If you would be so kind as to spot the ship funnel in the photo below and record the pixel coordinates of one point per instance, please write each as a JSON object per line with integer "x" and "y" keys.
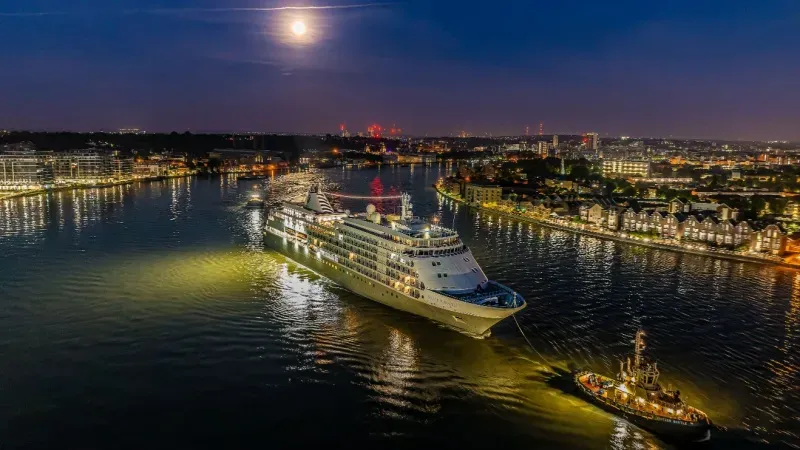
{"x": 317, "y": 201}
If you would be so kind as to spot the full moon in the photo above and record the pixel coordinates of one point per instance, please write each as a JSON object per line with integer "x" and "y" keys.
{"x": 299, "y": 28}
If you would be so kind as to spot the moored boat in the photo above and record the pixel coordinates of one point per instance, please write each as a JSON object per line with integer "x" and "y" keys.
{"x": 636, "y": 395}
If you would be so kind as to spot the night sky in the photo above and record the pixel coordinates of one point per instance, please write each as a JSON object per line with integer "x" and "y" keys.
{"x": 700, "y": 68}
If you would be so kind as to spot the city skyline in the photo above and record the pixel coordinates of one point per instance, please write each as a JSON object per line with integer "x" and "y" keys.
{"x": 686, "y": 71}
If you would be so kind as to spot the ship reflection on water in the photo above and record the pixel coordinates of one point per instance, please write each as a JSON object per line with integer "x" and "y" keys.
{"x": 163, "y": 294}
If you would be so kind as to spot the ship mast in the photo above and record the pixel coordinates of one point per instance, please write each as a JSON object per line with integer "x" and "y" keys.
{"x": 639, "y": 348}
{"x": 645, "y": 373}
{"x": 405, "y": 211}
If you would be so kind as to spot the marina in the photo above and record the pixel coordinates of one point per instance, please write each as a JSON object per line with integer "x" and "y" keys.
{"x": 177, "y": 319}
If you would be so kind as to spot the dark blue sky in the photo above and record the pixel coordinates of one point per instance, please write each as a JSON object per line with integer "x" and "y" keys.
{"x": 700, "y": 68}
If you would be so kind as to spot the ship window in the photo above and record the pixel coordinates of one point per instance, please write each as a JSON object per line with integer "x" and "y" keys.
{"x": 439, "y": 275}
{"x": 445, "y": 275}
{"x": 433, "y": 263}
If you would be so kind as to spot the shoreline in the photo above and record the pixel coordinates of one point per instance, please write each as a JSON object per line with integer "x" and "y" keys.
{"x": 613, "y": 237}
{"x": 33, "y": 192}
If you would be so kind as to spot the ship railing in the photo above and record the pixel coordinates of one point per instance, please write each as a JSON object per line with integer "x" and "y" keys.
{"x": 453, "y": 251}
{"x": 506, "y": 298}
{"x": 647, "y": 409}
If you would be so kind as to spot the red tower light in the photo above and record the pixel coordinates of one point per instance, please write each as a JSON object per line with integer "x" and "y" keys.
{"x": 375, "y": 130}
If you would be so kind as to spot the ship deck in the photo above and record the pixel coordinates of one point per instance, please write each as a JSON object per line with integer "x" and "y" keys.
{"x": 495, "y": 295}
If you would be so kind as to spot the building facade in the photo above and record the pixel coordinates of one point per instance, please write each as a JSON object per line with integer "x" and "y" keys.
{"x": 543, "y": 148}
{"x": 482, "y": 194}
{"x": 23, "y": 167}
{"x": 770, "y": 240}
{"x": 626, "y": 168}
{"x": 592, "y": 141}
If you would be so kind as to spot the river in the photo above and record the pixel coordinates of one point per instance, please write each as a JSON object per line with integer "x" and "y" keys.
{"x": 152, "y": 315}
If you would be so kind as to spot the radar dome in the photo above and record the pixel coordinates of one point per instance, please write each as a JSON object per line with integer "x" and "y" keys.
{"x": 370, "y": 209}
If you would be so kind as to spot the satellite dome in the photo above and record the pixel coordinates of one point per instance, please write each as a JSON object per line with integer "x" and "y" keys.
{"x": 370, "y": 209}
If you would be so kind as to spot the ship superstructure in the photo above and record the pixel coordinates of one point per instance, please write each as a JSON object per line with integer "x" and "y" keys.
{"x": 398, "y": 260}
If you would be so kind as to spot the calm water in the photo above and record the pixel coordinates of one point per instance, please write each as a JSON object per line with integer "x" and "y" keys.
{"x": 152, "y": 316}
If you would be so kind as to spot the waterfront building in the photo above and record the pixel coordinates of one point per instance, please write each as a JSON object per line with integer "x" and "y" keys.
{"x": 478, "y": 194}
{"x": 706, "y": 225}
{"x": 602, "y": 213}
{"x": 121, "y": 167}
{"x": 594, "y": 214}
{"x": 614, "y": 220}
{"x": 671, "y": 225}
{"x": 415, "y": 158}
{"x": 149, "y": 169}
{"x": 83, "y": 166}
{"x": 771, "y": 239}
{"x": 23, "y": 167}
{"x": 618, "y": 168}
{"x": 742, "y": 232}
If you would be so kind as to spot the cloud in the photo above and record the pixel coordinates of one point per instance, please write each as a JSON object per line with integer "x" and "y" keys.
{"x": 198, "y": 10}
{"x": 277, "y": 8}
{"x": 33, "y": 14}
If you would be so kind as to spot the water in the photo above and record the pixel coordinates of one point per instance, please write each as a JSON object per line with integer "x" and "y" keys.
{"x": 151, "y": 315}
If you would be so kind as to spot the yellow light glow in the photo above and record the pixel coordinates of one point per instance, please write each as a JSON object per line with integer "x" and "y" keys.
{"x": 299, "y": 28}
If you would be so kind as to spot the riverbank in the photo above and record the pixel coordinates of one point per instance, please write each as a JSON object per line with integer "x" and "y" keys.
{"x": 583, "y": 230}
{"x": 8, "y": 195}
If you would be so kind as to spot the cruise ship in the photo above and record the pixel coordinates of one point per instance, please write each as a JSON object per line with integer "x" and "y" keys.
{"x": 398, "y": 260}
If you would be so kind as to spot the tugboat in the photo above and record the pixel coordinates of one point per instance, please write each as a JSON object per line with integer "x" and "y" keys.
{"x": 636, "y": 395}
{"x": 255, "y": 202}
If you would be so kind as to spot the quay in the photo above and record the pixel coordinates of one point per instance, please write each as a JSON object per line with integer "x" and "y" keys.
{"x": 583, "y": 230}
{"x": 8, "y": 195}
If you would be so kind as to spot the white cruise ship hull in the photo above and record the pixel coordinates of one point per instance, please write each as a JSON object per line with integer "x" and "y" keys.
{"x": 470, "y": 318}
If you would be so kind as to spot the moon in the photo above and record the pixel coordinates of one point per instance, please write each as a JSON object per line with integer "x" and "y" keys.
{"x": 299, "y": 28}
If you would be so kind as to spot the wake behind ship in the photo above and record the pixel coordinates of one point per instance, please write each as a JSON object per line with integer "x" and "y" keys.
{"x": 400, "y": 261}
